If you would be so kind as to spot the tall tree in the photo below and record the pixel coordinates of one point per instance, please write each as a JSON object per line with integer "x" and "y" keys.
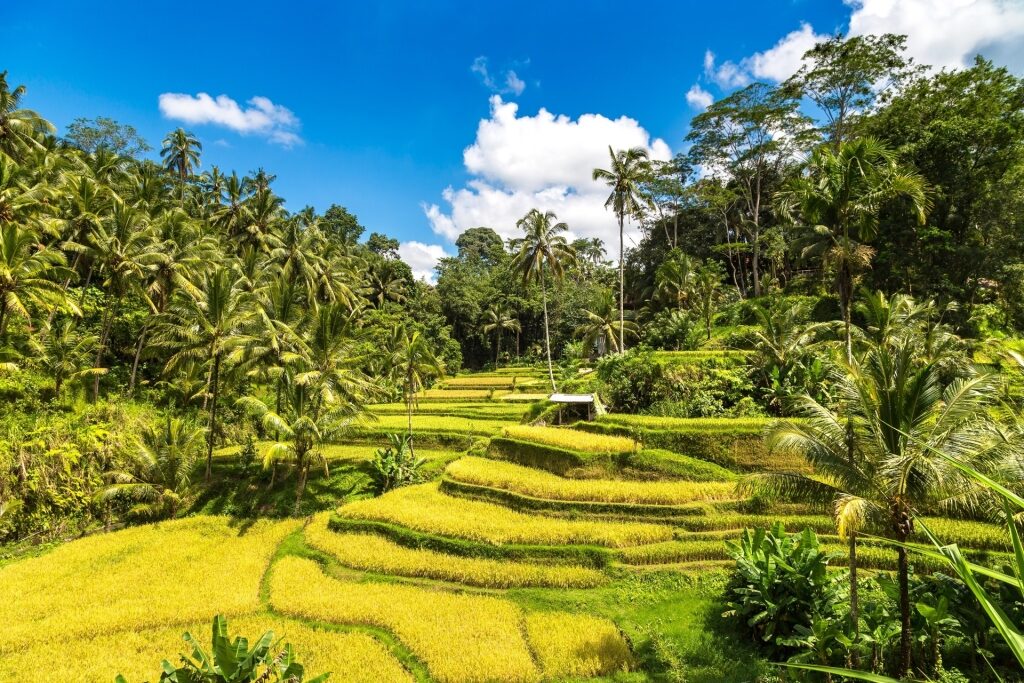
{"x": 91, "y": 135}
{"x": 541, "y": 254}
{"x": 838, "y": 200}
{"x": 629, "y": 170}
{"x": 208, "y": 330}
{"x": 20, "y": 128}
{"x": 844, "y": 77}
{"x": 413, "y": 364}
{"x": 180, "y": 152}
{"x": 750, "y": 138}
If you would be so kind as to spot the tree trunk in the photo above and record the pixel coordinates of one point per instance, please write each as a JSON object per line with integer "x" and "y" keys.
{"x": 135, "y": 361}
{"x": 497, "y": 354}
{"x": 854, "y": 607}
{"x": 214, "y": 381}
{"x": 547, "y": 334}
{"x": 755, "y": 269}
{"x": 846, "y": 301}
{"x": 622, "y": 287}
{"x": 108, "y": 323}
{"x": 300, "y": 487}
{"x": 408, "y": 408}
{"x": 905, "y": 632}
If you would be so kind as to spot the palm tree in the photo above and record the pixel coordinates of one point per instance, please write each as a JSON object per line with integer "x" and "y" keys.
{"x": 29, "y": 275}
{"x": 901, "y": 424}
{"x": 707, "y": 292}
{"x": 63, "y": 353}
{"x": 180, "y": 153}
{"x": 839, "y": 199}
{"x": 499, "y": 320}
{"x": 302, "y": 427}
{"x": 413, "y": 364}
{"x": 602, "y": 327}
{"x": 675, "y": 278}
{"x": 541, "y": 252}
{"x": 208, "y": 330}
{"x": 20, "y": 128}
{"x": 160, "y": 470}
{"x": 629, "y": 170}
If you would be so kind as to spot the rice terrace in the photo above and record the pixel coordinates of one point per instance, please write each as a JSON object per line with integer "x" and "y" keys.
{"x": 697, "y": 362}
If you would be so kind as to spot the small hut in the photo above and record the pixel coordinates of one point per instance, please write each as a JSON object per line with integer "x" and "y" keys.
{"x": 578, "y": 403}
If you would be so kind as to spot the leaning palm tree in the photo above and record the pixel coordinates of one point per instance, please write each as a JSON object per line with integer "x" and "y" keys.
{"x": 543, "y": 253}
{"x": 180, "y": 153}
{"x": 20, "y": 129}
{"x": 499, "y": 320}
{"x": 209, "y": 330}
{"x": 413, "y": 363}
{"x": 160, "y": 470}
{"x": 839, "y": 199}
{"x": 902, "y": 427}
{"x": 630, "y": 169}
{"x": 602, "y": 329}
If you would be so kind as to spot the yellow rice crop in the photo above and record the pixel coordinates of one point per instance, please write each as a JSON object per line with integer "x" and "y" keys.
{"x": 350, "y": 657}
{"x": 524, "y": 397}
{"x": 576, "y": 645}
{"x": 470, "y": 381}
{"x": 572, "y": 439}
{"x": 455, "y": 394}
{"x": 373, "y": 553}
{"x": 540, "y": 484}
{"x": 426, "y": 509}
{"x": 439, "y": 423}
{"x": 459, "y": 637}
{"x": 169, "y": 573}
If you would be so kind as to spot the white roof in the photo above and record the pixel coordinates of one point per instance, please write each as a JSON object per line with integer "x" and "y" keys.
{"x": 571, "y": 398}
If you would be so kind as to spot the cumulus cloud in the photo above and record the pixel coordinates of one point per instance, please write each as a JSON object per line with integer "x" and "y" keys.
{"x": 421, "y": 258}
{"x": 726, "y": 75}
{"x": 946, "y": 33}
{"x": 260, "y": 116}
{"x": 506, "y": 83}
{"x": 698, "y": 98}
{"x": 777, "y": 63}
{"x": 542, "y": 161}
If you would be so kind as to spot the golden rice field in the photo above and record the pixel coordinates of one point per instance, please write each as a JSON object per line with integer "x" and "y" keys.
{"x": 438, "y": 423}
{"x": 524, "y": 397}
{"x": 572, "y": 439}
{"x": 372, "y": 553}
{"x": 176, "y": 572}
{"x": 541, "y": 484}
{"x": 349, "y": 657}
{"x": 424, "y": 508}
{"x": 576, "y": 645}
{"x": 455, "y": 394}
{"x": 489, "y": 381}
{"x": 490, "y": 646}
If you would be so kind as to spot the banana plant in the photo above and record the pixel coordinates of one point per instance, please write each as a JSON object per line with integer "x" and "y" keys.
{"x": 232, "y": 661}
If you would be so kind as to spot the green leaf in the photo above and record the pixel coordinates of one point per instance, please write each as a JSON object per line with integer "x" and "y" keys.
{"x": 848, "y": 673}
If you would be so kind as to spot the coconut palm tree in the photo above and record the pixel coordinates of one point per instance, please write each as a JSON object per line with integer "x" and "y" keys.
{"x": 180, "y": 152}
{"x": 413, "y": 363}
{"x": 29, "y": 275}
{"x": 542, "y": 253}
{"x": 838, "y": 200}
{"x": 675, "y": 277}
{"x": 63, "y": 353}
{"x": 208, "y": 330}
{"x": 706, "y": 292}
{"x": 901, "y": 425}
{"x": 160, "y": 470}
{"x": 602, "y": 327}
{"x": 302, "y": 424}
{"x": 630, "y": 169}
{"x": 499, "y": 320}
{"x": 20, "y": 129}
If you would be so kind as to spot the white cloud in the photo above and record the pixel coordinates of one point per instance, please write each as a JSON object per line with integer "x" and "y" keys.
{"x": 783, "y": 59}
{"x": 261, "y": 117}
{"x": 507, "y": 82}
{"x": 726, "y": 75}
{"x": 946, "y": 33}
{"x": 421, "y": 258}
{"x": 698, "y": 98}
{"x": 542, "y": 161}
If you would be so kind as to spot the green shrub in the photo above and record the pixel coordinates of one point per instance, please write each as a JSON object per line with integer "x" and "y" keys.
{"x": 551, "y": 458}
{"x": 780, "y": 585}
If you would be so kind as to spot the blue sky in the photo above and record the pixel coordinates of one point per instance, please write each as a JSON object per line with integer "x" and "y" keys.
{"x": 381, "y": 99}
